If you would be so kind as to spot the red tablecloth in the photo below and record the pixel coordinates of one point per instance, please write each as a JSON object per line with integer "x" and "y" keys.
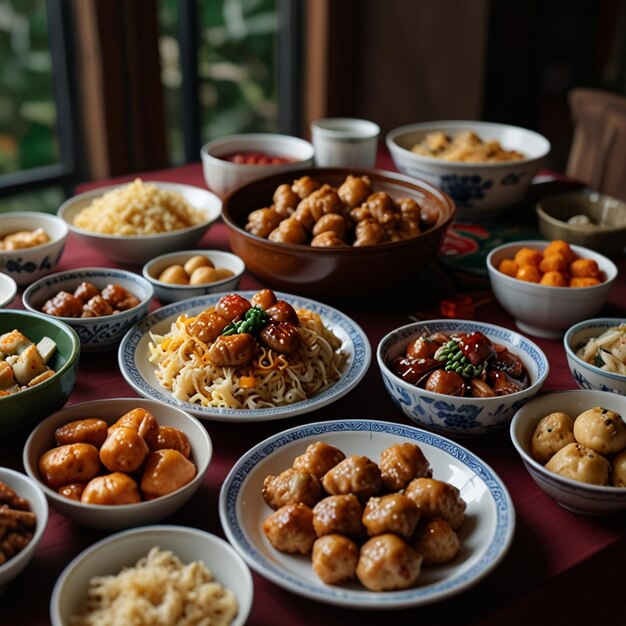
{"x": 560, "y": 565}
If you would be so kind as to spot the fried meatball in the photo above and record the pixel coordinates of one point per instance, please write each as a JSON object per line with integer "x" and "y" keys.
{"x": 71, "y": 463}
{"x": 355, "y": 190}
{"x": 436, "y": 498}
{"x": 305, "y": 186}
{"x": 339, "y": 514}
{"x": 291, "y": 487}
{"x": 601, "y": 430}
{"x": 172, "y": 438}
{"x": 435, "y": 540}
{"x": 553, "y": 432}
{"x": 369, "y": 232}
{"x": 578, "y": 462}
{"x": 290, "y": 230}
{"x": 165, "y": 471}
{"x": 386, "y": 563}
{"x": 327, "y": 240}
{"x": 618, "y": 473}
{"x": 90, "y": 430}
{"x": 335, "y": 558}
{"x": 124, "y": 450}
{"x": 142, "y": 421}
{"x": 355, "y": 474}
{"x": 285, "y": 200}
{"x": 262, "y": 222}
{"x": 319, "y": 458}
{"x": 393, "y": 513}
{"x": 401, "y": 463}
{"x": 290, "y": 529}
{"x": 331, "y": 223}
{"x": 115, "y": 488}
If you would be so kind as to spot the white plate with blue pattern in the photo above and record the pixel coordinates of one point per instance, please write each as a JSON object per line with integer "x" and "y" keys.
{"x": 133, "y": 357}
{"x": 486, "y": 533}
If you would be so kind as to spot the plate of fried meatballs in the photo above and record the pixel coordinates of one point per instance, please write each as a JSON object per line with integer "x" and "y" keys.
{"x": 367, "y": 514}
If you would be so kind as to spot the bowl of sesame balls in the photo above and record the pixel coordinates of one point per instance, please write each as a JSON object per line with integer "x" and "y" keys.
{"x": 548, "y": 286}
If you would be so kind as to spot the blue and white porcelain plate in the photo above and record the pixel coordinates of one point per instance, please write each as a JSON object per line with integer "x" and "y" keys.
{"x": 133, "y": 357}
{"x": 486, "y": 533}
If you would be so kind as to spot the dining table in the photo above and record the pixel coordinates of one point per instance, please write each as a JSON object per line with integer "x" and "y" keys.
{"x": 561, "y": 567}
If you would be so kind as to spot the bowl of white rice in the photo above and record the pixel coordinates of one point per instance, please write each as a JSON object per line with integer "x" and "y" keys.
{"x": 134, "y": 222}
{"x": 154, "y": 575}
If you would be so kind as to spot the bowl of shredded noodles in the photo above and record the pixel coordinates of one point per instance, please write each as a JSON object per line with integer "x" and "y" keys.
{"x": 154, "y": 575}
{"x": 245, "y": 356}
{"x": 596, "y": 354}
{"x": 137, "y": 221}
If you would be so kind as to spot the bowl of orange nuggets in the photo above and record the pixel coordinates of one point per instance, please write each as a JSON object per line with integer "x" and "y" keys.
{"x": 547, "y": 286}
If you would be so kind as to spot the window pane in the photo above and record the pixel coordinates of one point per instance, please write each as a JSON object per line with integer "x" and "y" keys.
{"x": 27, "y": 107}
{"x": 236, "y": 68}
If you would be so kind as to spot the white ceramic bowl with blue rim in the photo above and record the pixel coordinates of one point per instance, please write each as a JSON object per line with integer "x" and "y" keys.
{"x": 452, "y": 415}
{"x": 8, "y": 290}
{"x": 138, "y": 249}
{"x": 572, "y": 495}
{"x": 134, "y": 353}
{"x": 97, "y": 334}
{"x": 171, "y": 292}
{"x": 109, "y": 556}
{"x": 542, "y": 310}
{"x": 26, "y": 265}
{"x": 118, "y": 516}
{"x": 26, "y": 488}
{"x": 587, "y": 375}
{"x": 480, "y": 190}
{"x": 484, "y": 540}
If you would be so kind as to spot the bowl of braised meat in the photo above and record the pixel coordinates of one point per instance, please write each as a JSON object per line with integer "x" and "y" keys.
{"x": 100, "y": 304}
{"x": 460, "y": 378}
{"x": 337, "y": 233}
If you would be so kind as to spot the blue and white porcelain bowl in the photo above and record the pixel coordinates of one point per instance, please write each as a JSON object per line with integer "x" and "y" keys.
{"x": 97, "y": 334}
{"x": 480, "y": 190}
{"x": 453, "y": 415}
{"x": 26, "y": 265}
{"x": 587, "y": 375}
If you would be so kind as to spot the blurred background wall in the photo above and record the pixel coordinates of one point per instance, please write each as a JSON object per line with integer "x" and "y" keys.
{"x": 96, "y": 88}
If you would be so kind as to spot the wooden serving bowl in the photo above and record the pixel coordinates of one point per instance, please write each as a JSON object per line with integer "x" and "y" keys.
{"x": 338, "y": 273}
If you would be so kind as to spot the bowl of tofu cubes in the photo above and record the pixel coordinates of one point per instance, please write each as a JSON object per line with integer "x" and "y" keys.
{"x": 38, "y": 367}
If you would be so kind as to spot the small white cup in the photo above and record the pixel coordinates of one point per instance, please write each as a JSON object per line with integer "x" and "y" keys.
{"x": 345, "y": 142}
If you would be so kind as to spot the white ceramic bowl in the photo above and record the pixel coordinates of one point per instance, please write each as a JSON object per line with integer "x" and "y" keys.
{"x": 168, "y": 292}
{"x": 115, "y": 517}
{"x": 96, "y": 334}
{"x": 26, "y": 488}
{"x": 543, "y": 310}
{"x": 223, "y": 176}
{"x": 137, "y": 250}
{"x": 109, "y": 556}
{"x": 480, "y": 190}
{"x": 452, "y": 415}
{"x": 8, "y": 289}
{"x": 586, "y": 375}
{"x": 28, "y": 264}
{"x": 571, "y": 494}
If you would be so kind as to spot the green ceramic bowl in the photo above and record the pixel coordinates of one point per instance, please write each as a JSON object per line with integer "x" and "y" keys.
{"x": 20, "y": 412}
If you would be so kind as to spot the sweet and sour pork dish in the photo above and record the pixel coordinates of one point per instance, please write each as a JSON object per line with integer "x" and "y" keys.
{"x": 461, "y": 365}
{"x": 309, "y": 212}
{"x": 377, "y": 523}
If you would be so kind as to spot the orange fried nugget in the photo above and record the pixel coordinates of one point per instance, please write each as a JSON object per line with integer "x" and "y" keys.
{"x": 585, "y": 281}
{"x": 528, "y": 256}
{"x": 508, "y": 267}
{"x": 583, "y": 268}
{"x": 553, "y": 262}
{"x": 561, "y": 247}
{"x": 529, "y": 273}
{"x": 553, "y": 279}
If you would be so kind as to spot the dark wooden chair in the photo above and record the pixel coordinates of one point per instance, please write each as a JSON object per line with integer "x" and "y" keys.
{"x": 598, "y": 153}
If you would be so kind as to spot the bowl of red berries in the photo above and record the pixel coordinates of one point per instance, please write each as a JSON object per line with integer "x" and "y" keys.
{"x": 231, "y": 161}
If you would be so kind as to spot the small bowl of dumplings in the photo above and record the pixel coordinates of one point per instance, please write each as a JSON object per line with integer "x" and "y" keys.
{"x": 118, "y": 463}
{"x": 573, "y": 444}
